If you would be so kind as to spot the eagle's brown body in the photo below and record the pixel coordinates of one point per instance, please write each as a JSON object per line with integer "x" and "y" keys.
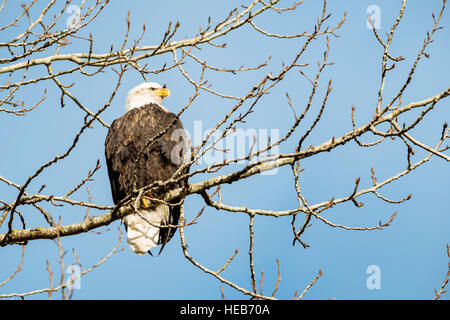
{"x": 159, "y": 160}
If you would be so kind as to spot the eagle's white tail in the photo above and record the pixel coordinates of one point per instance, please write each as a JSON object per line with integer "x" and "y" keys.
{"x": 141, "y": 235}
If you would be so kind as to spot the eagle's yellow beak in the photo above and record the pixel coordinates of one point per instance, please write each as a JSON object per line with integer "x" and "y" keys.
{"x": 163, "y": 92}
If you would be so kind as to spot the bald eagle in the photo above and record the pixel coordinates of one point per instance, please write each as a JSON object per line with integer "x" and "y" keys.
{"x": 134, "y": 160}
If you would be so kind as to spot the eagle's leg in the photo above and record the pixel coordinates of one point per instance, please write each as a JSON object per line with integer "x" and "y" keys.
{"x": 145, "y": 202}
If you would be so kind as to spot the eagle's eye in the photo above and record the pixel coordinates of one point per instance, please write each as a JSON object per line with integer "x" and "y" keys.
{"x": 164, "y": 85}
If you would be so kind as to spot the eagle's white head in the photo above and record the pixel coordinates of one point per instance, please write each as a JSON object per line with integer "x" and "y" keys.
{"x": 145, "y": 93}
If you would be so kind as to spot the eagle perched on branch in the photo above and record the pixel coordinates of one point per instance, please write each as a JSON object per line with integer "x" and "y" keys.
{"x": 136, "y": 158}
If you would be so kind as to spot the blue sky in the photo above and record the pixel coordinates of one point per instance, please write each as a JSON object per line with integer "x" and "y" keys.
{"x": 410, "y": 253}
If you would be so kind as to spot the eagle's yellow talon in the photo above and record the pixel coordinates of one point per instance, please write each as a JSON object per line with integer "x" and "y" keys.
{"x": 145, "y": 203}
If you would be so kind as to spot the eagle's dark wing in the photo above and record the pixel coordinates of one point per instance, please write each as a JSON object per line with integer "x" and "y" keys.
{"x": 127, "y": 136}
